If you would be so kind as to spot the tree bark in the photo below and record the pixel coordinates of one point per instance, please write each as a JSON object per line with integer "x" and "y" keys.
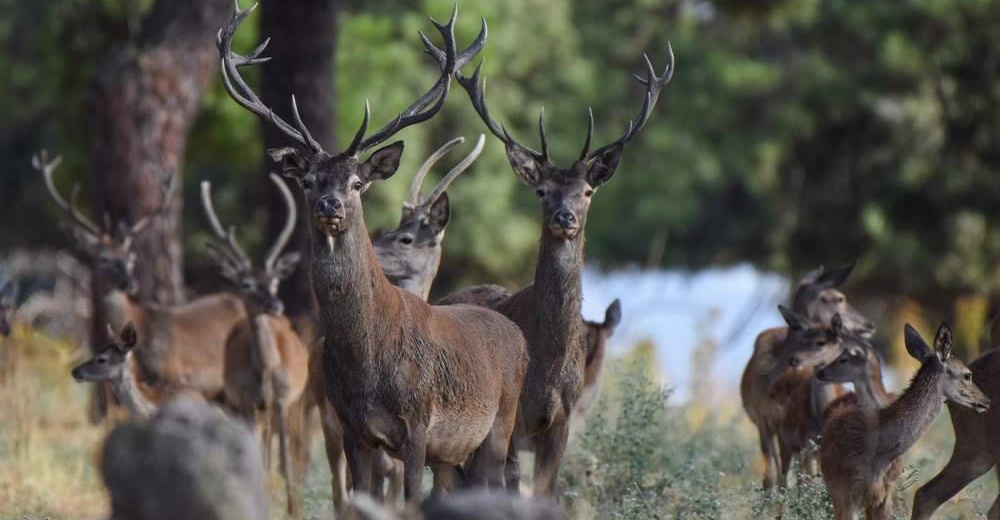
{"x": 303, "y": 37}
{"x": 145, "y": 99}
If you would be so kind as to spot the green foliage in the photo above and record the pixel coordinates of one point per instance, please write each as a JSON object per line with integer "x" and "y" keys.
{"x": 793, "y": 134}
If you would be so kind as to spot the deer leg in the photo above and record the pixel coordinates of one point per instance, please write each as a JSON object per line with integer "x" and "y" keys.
{"x": 414, "y": 459}
{"x": 394, "y": 495}
{"x": 286, "y": 464}
{"x": 964, "y": 466}
{"x": 512, "y": 466}
{"x": 769, "y": 448}
{"x": 445, "y": 480}
{"x": 299, "y": 435}
{"x": 380, "y": 470}
{"x": 333, "y": 439}
{"x": 359, "y": 460}
{"x": 548, "y": 456}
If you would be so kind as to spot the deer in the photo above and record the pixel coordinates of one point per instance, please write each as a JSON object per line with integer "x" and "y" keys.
{"x": 266, "y": 363}
{"x": 817, "y": 299}
{"x": 975, "y": 450}
{"x": 182, "y": 345}
{"x": 429, "y": 384}
{"x": 860, "y": 365}
{"x": 548, "y": 310}
{"x": 115, "y": 363}
{"x": 861, "y": 450}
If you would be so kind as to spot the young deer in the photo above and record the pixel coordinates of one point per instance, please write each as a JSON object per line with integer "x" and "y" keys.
{"x": 860, "y": 450}
{"x": 411, "y": 253}
{"x": 976, "y": 450}
{"x": 266, "y": 364}
{"x": 428, "y": 384}
{"x": 860, "y": 365}
{"x": 817, "y": 298}
{"x": 182, "y": 345}
{"x": 114, "y": 363}
{"x": 548, "y": 310}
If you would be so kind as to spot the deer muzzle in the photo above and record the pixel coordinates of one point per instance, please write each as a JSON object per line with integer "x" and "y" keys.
{"x": 329, "y": 215}
{"x": 564, "y": 224}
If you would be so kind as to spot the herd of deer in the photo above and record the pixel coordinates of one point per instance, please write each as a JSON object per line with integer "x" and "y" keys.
{"x": 463, "y": 385}
{"x": 793, "y": 391}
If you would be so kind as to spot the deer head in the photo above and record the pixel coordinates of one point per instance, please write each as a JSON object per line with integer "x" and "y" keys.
{"x": 811, "y": 344}
{"x": 851, "y": 365}
{"x": 107, "y": 248}
{"x": 333, "y": 183}
{"x": 258, "y": 287}
{"x": 565, "y": 193}
{"x": 958, "y": 385}
{"x": 111, "y": 359}
{"x": 410, "y": 253}
{"x": 601, "y": 331}
{"x": 6, "y": 307}
{"x": 817, "y": 296}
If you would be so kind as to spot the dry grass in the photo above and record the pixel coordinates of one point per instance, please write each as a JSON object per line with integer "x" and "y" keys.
{"x": 636, "y": 458}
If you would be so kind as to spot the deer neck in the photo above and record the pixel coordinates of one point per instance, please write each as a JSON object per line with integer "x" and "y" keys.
{"x": 116, "y": 306}
{"x": 903, "y": 422}
{"x": 352, "y": 292}
{"x": 264, "y": 355}
{"x": 559, "y": 294}
{"x": 126, "y": 390}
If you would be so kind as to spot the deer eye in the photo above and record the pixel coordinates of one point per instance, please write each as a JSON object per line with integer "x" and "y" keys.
{"x": 540, "y": 192}
{"x": 588, "y": 193}
{"x": 357, "y": 185}
{"x": 247, "y": 286}
{"x": 843, "y": 360}
{"x": 967, "y": 376}
{"x": 307, "y": 182}
{"x": 406, "y": 240}
{"x": 821, "y": 343}
{"x": 101, "y": 361}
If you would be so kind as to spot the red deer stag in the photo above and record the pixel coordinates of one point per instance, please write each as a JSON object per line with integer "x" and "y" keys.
{"x": 266, "y": 364}
{"x": 548, "y": 310}
{"x": 818, "y": 299}
{"x": 428, "y": 384}
{"x": 181, "y": 345}
{"x": 976, "y": 449}
{"x": 861, "y": 450}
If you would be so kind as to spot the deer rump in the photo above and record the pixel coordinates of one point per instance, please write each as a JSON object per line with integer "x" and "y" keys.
{"x": 440, "y": 368}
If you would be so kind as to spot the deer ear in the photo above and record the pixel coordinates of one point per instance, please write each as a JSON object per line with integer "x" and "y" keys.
{"x": 286, "y": 263}
{"x": 525, "y": 164}
{"x": 613, "y": 316}
{"x": 294, "y": 164}
{"x": 440, "y": 213}
{"x": 794, "y": 320}
{"x": 129, "y": 337}
{"x": 915, "y": 344}
{"x": 835, "y": 277}
{"x": 603, "y": 166}
{"x": 943, "y": 340}
{"x": 383, "y": 163}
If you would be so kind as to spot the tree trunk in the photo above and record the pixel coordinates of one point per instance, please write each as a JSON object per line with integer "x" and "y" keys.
{"x": 303, "y": 36}
{"x": 145, "y": 98}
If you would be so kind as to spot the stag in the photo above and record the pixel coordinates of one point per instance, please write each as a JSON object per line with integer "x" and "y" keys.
{"x": 816, "y": 299}
{"x": 182, "y": 345}
{"x": 548, "y": 310}
{"x": 976, "y": 450}
{"x": 861, "y": 450}
{"x": 266, "y": 364}
{"x": 428, "y": 384}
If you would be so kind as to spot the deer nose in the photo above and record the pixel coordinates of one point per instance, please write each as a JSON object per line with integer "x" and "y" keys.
{"x": 329, "y": 207}
{"x": 77, "y": 375}
{"x": 564, "y": 218}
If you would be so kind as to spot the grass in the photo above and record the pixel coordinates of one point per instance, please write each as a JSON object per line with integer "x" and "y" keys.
{"x": 639, "y": 457}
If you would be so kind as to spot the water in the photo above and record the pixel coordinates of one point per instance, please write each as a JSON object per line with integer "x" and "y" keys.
{"x": 677, "y": 311}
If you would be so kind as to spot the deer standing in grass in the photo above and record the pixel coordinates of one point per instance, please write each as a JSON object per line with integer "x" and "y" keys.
{"x": 266, "y": 364}
{"x": 429, "y": 384}
{"x": 181, "y": 345}
{"x": 817, "y": 299}
{"x": 548, "y": 310}
{"x": 976, "y": 448}
{"x": 861, "y": 450}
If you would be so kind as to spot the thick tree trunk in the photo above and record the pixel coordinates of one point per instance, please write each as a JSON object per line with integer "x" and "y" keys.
{"x": 303, "y": 35}
{"x": 144, "y": 101}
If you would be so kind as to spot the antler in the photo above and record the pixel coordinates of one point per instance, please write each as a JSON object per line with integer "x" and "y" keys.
{"x": 235, "y": 253}
{"x": 41, "y": 163}
{"x": 446, "y": 181}
{"x": 286, "y": 232}
{"x": 242, "y": 93}
{"x": 413, "y": 197}
{"x": 166, "y": 192}
{"x": 475, "y": 87}
{"x": 449, "y": 60}
{"x": 654, "y": 84}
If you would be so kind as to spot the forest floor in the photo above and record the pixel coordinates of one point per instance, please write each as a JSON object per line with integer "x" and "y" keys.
{"x": 637, "y": 458}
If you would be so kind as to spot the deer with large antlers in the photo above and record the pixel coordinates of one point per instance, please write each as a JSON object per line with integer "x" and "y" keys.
{"x": 860, "y": 450}
{"x": 180, "y": 345}
{"x": 548, "y": 310}
{"x": 428, "y": 384}
{"x": 816, "y": 298}
{"x": 266, "y": 363}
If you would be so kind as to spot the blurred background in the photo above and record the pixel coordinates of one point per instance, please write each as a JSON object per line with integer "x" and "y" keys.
{"x": 794, "y": 134}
